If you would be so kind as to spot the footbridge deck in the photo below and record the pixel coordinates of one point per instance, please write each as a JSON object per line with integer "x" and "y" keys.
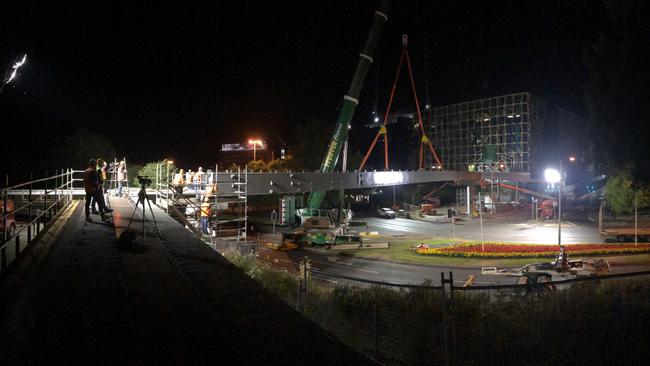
{"x": 84, "y": 301}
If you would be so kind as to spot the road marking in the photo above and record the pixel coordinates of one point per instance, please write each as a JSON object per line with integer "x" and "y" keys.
{"x": 364, "y": 270}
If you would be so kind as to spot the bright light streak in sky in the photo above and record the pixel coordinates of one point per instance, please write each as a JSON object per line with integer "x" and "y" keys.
{"x": 15, "y": 67}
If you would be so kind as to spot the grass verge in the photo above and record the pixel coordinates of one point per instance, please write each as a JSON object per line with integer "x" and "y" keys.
{"x": 400, "y": 251}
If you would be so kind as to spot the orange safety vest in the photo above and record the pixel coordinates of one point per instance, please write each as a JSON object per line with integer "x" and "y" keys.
{"x": 206, "y": 210}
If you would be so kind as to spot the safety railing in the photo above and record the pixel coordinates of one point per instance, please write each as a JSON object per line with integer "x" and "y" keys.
{"x": 29, "y": 206}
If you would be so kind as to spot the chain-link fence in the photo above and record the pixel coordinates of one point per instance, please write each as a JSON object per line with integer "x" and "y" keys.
{"x": 600, "y": 320}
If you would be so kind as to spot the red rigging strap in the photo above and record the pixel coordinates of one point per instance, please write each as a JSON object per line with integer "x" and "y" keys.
{"x": 384, "y": 131}
{"x": 424, "y": 139}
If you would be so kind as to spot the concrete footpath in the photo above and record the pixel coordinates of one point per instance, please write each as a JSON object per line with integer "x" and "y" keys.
{"x": 88, "y": 302}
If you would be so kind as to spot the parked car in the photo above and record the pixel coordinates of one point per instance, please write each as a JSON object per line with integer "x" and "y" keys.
{"x": 11, "y": 221}
{"x": 387, "y": 213}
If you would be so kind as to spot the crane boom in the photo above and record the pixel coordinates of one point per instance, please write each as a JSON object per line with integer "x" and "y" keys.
{"x": 350, "y": 101}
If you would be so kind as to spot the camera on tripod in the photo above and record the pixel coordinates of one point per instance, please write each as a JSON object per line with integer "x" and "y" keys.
{"x": 144, "y": 180}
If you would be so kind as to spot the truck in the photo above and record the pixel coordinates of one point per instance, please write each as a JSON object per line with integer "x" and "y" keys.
{"x": 625, "y": 234}
{"x": 560, "y": 269}
{"x": 622, "y": 233}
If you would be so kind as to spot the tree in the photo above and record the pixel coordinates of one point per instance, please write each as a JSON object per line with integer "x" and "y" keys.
{"x": 156, "y": 170}
{"x": 616, "y": 91}
{"x": 311, "y": 138}
{"x": 620, "y": 193}
{"x": 81, "y": 146}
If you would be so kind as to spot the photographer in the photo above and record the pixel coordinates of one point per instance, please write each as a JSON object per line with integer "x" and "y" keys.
{"x": 98, "y": 199}
{"x": 93, "y": 190}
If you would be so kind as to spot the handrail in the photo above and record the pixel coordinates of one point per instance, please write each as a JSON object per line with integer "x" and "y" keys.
{"x": 3, "y": 190}
{"x": 62, "y": 191}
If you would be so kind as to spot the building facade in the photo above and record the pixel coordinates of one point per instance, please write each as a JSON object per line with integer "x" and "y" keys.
{"x": 516, "y": 132}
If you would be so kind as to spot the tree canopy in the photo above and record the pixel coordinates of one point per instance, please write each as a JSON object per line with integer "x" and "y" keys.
{"x": 620, "y": 191}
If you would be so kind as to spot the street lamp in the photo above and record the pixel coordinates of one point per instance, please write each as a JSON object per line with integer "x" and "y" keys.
{"x": 255, "y": 142}
{"x": 554, "y": 176}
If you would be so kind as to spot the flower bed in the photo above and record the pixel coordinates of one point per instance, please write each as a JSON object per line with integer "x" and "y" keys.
{"x": 500, "y": 250}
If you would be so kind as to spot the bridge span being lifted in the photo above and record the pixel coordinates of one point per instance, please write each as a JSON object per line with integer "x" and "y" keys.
{"x": 301, "y": 182}
{"x": 263, "y": 183}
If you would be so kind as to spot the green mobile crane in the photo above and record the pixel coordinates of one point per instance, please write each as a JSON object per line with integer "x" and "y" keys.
{"x": 312, "y": 217}
{"x": 349, "y": 105}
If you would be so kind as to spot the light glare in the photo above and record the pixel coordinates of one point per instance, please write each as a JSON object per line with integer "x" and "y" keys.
{"x": 388, "y": 177}
{"x": 552, "y": 175}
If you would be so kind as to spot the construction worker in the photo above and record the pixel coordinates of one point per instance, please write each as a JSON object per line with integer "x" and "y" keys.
{"x": 188, "y": 177}
{"x": 93, "y": 190}
{"x": 98, "y": 200}
{"x": 179, "y": 181}
{"x": 197, "y": 180}
{"x": 121, "y": 177}
{"x": 206, "y": 212}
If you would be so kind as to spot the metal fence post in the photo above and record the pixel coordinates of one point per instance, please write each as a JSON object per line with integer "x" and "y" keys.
{"x": 302, "y": 293}
{"x": 374, "y": 330}
{"x": 45, "y": 201}
{"x": 444, "y": 318}
{"x": 17, "y": 247}
{"x": 452, "y": 316}
{"x": 3, "y": 260}
{"x": 4, "y": 217}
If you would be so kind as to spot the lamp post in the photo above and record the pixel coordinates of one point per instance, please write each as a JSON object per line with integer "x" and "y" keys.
{"x": 255, "y": 142}
{"x": 553, "y": 176}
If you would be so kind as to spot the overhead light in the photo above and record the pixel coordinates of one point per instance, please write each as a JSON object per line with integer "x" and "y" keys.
{"x": 552, "y": 175}
{"x": 388, "y": 177}
{"x": 376, "y": 119}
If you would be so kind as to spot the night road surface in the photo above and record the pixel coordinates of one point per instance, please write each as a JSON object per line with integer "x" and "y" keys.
{"x": 497, "y": 229}
{"x": 370, "y": 269}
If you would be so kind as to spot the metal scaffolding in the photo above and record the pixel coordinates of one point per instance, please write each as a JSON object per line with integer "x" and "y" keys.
{"x": 230, "y": 208}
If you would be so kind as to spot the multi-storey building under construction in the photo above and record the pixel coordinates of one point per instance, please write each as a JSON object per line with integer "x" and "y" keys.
{"x": 516, "y": 132}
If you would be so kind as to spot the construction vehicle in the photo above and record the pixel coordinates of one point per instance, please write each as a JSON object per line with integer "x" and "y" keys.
{"x": 318, "y": 225}
{"x": 625, "y": 234}
{"x": 560, "y": 269}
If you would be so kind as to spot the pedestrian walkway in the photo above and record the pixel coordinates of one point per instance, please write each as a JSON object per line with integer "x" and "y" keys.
{"x": 180, "y": 302}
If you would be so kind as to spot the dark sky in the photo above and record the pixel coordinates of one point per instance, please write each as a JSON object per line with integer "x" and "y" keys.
{"x": 178, "y": 79}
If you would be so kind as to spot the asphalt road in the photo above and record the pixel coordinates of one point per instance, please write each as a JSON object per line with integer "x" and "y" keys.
{"x": 344, "y": 265}
{"x": 339, "y": 264}
{"x": 494, "y": 229}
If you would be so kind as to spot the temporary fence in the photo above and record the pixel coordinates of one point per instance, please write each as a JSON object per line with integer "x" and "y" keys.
{"x": 397, "y": 323}
{"x": 29, "y": 206}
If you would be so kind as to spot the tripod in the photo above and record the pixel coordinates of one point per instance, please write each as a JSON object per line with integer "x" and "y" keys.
{"x": 142, "y": 197}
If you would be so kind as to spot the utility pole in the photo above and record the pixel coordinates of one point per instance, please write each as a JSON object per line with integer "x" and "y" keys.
{"x": 636, "y": 217}
{"x": 559, "y": 210}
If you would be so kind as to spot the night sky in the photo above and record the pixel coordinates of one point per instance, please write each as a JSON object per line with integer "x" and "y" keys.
{"x": 173, "y": 80}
